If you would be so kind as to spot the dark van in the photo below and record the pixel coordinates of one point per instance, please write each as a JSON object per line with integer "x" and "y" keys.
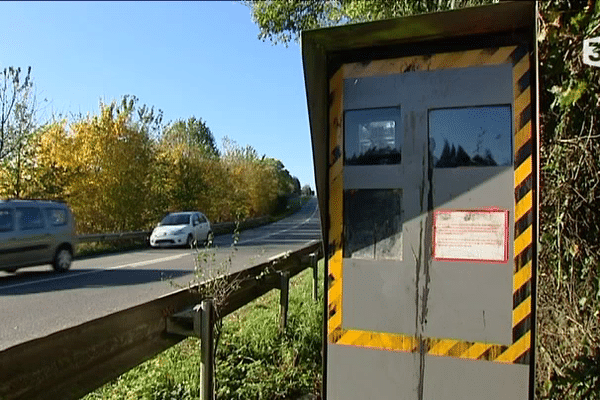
{"x": 35, "y": 232}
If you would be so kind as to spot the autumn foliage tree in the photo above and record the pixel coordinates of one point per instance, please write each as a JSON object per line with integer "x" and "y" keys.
{"x": 103, "y": 163}
{"x": 186, "y": 161}
{"x": 252, "y": 181}
{"x": 121, "y": 170}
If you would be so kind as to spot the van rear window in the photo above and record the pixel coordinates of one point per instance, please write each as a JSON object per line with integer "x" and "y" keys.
{"x": 6, "y": 220}
{"x": 56, "y": 216}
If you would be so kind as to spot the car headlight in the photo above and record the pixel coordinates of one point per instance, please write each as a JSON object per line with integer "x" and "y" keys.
{"x": 179, "y": 232}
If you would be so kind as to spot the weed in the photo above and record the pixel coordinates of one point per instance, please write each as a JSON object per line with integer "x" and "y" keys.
{"x": 254, "y": 360}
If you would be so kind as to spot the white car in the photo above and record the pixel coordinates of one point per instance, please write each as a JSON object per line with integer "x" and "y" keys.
{"x": 181, "y": 229}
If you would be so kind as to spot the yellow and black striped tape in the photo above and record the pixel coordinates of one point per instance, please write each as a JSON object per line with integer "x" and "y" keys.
{"x": 336, "y": 188}
{"x": 519, "y": 350}
{"x": 523, "y": 252}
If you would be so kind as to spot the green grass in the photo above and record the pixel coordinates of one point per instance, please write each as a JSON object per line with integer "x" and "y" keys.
{"x": 254, "y": 360}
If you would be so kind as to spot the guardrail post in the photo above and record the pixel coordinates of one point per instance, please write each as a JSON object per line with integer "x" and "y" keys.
{"x": 315, "y": 270}
{"x": 284, "y": 285}
{"x": 207, "y": 356}
{"x": 197, "y": 320}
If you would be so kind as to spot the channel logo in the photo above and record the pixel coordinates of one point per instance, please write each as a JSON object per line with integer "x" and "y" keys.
{"x": 591, "y": 51}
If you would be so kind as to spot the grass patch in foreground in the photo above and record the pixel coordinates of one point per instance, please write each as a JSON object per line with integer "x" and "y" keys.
{"x": 254, "y": 360}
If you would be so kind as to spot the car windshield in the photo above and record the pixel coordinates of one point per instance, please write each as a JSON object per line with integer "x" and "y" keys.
{"x": 176, "y": 219}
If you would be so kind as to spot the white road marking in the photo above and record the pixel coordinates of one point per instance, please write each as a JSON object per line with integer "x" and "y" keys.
{"x": 306, "y": 232}
{"x": 74, "y": 274}
{"x": 281, "y": 231}
{"x": 280, "y": 241}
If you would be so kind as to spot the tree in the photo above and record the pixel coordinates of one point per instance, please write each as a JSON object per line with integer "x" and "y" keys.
{"x": 24, "y": 128}
{"x": 47, "y": 173}
{"x": 15, "y": 96}
{"x": 141, "y": 118}
{"x": 252, "y": 181}
{"x": 186, "y": 168}
{"x": 17, "y": 177}
{"x": 194, "y": 133}
{"x": 297, "y": 189}
{"x": 183, "y": 176}
{"x": 282, "y": 21}
{"x": 17, "y": 125}
{"x": 285, "y": 181}
{"x": 102, "y": 165}
{"x": 307, "y": 191}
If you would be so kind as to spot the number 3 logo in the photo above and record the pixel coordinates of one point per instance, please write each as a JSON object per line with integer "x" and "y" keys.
{"x": 591, "y": 51}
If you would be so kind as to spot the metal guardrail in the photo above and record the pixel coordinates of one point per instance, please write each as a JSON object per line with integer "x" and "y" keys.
{"x": 108, "y": 237}
{"x": 71, "y": 363}
{"x": 218, "y": 229}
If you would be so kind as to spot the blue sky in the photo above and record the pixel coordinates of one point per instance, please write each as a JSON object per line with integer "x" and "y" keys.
{"x": 199, "y": 59}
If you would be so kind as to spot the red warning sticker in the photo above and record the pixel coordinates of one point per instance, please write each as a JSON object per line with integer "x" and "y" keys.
{"x": 471, "y": 235}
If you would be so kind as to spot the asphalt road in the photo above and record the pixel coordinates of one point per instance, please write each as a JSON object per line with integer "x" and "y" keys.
{"x": 36, "y": 302}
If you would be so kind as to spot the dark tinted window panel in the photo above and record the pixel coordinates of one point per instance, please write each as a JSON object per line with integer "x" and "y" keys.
{"x": 471, "y": 136}
{"x": 373, "y": 136}
{"x": 30, "y": 218}
{"x": 6, "y": 220}
{"x": 373, "y": 224}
